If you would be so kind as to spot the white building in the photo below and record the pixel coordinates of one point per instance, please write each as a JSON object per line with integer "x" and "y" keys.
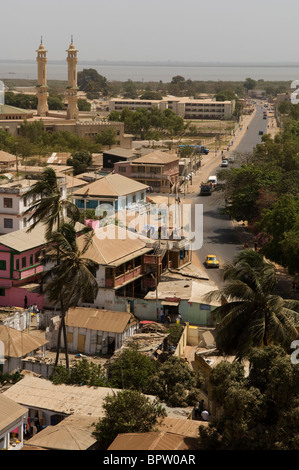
{"x": 115, "y": 190}
{"x": 12, "y": 419}
{"x": 90, "y": 331}
{"x": 13, "y": 207}
{"x": 187, "y": 108}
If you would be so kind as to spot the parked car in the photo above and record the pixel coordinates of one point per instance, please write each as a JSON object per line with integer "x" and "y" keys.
{"x": 211, "y": 261}
{"x": 224, "y": 163}
{"x": 231, "y": 159}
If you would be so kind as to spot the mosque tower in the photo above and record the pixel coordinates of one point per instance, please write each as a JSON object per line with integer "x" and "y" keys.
{"x": 72, "y": 88}
{"x": 42, "y": 88}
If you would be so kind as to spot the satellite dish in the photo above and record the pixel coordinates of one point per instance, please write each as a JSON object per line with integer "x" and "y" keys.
{"x": 2, "y": 92}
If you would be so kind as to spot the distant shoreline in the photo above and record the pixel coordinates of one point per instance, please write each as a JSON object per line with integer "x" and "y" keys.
{"x": 160, "y": 63}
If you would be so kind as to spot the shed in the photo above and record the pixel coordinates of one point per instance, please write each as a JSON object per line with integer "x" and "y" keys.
{"x": 92, "y": 330}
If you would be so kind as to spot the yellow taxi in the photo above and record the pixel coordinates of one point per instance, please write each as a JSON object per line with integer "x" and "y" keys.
{"x": 211, "y": 261}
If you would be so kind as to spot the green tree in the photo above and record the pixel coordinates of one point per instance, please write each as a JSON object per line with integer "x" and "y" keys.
{"x": 251, "y": 315}
{"x": 132, "y": 369}
{"x": 83, "y": 372}
{"x": 90, "y": 81}
{"x": 127, "y": 411}
{"x": 83, "y": 105}
{"x": 130, "y": 89}
{"x": 175, "y": 383}
{"x": 107, "y": 137}
{"x": 70, "y": 280}
{"x": 259, "y": 412}
{"x": 49, "y": 207}
{"x": 80, "y": 161}
{"x": 250, "y": 84}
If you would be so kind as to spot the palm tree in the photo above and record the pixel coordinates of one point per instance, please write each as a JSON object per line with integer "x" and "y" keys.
{"x": 250, "y": 313}
{"x": 49, "y": 207}
{"x": 72, "y": 280}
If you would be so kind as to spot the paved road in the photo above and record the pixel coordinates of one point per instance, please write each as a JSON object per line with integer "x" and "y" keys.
{"x": 220, "y": 235}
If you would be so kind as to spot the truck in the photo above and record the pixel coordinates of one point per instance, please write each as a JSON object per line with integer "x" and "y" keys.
{"x": 206, "y": 189}
{"x": 197, "y": 148}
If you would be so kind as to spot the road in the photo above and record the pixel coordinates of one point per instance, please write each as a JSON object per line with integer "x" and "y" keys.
{"x": 221, "y": 236}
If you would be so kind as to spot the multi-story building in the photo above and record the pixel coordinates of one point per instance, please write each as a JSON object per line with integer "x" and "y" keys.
{"x": 114, "y": 189}
{"x": 187, "y": 108}
{"x": 159, "y": 170}
{"x": 13, "y": 206}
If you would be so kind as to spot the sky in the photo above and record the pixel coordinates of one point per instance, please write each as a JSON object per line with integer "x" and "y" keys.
{"x": 152, "y": 30}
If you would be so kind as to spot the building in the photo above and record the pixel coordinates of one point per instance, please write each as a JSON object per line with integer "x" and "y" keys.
{"x": 13, "y": 206}
{"x": 85, "y": 125}
{"x": 159, "y": 170}
{"x": 121, "y": 272}
{"x": 21, "y": 266}
{"x": 12, "y": 419}
{"x": 113, "y": 190}
{"x": 17, "y": 345}
{"x": 92, "y": 331}
{"x": 117, "y": 154}
{"x": 7, "y": 161}
{"x": 187, "y": 108}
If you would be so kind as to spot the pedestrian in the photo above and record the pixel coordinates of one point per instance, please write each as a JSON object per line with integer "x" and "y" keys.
{"x": 25, "y": 302}
{"x": 197, "y": 410}
{"x": 205, "y": 415}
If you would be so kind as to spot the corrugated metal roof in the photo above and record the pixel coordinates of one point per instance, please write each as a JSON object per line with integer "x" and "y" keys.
{"x": 99, "y": 319}
{"x": 19, "y": 343}
{"x": 152, "y": 441}
{"x": 112, "y": 185}
{"x": 10, "y": 411}
{"x": 113, "y": 245}
{"x": 73, "y": 433}
{"x": 21, "y": 240}
{"x": 157, "y": 158}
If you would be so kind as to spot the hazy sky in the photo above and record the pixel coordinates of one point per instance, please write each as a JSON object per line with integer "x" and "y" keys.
{"x": 153, "y": 30}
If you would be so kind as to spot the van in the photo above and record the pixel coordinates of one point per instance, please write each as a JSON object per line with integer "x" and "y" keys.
{"x": 212, "y": 179}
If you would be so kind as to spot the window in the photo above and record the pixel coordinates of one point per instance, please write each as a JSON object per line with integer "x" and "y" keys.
{"x": 24, "y": 262}
{"x": 17, "y": 264}
{"x": 2, "y": 292}
{"x": 2, "y": 265}
{"x": 37, "y": 255}
{"x": 31, "y": 260}
{"x": 8, "y": 223}
{"x": 7, "y": 202}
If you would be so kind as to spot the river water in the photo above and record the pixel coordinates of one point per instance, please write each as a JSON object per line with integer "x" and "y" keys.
{"x": 155, "y": 73}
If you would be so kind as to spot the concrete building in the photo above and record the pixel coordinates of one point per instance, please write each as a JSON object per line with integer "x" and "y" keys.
{"x": 12, "y": 419}
{"x": 90, "y": 331}
{"x": 187, "y": 108}
{"x": 157, "y": 169}
{"x": 12, "y": 206}
{"x": 113, "y": 190}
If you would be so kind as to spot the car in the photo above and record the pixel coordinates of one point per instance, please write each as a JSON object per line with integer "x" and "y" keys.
{"x": 224, "y": 163}
{"x": 212, "y": 179}
{"x": 261, "y": 133}
{"x": 211, "y": 261}
{"x": 231, "y": 159}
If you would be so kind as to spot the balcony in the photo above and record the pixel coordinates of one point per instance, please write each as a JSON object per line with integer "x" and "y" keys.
{"x": 21, "y": 274}
{"x": 124, "y": 278}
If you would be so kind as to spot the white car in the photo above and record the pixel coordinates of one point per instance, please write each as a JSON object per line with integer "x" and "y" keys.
{"x": 231, "y": 159}
{"x": 224, "y": 163}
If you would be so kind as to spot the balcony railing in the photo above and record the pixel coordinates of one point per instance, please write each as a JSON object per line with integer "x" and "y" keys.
{"x": 19, "y": 274}
{"x": 128, "y": 276}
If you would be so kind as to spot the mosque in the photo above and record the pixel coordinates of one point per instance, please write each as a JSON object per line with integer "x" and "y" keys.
{"x": 85, "y": 125}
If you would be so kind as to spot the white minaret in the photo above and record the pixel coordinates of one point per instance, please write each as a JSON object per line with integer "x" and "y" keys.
{"x": 42, "y": 88}
{"x": 72, "y": 88}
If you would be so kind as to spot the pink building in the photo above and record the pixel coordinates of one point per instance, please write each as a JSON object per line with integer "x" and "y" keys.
{"x": 21, "y": 267}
